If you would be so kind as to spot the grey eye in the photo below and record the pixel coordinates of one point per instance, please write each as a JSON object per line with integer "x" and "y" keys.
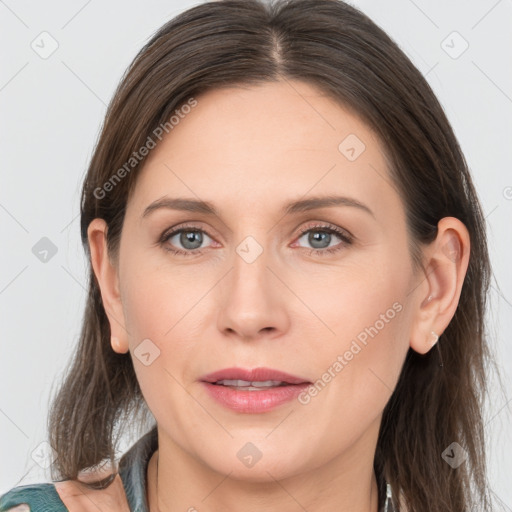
{"x": 318, "y": 238}
{"x": 189, "y": 239}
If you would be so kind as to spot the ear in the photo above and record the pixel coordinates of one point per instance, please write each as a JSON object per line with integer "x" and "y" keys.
{"x": 446, "y": 263}
{"x": 108, "y": 278}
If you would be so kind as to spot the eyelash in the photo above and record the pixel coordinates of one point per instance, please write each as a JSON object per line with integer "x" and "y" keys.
{"x": 346, "y": 238}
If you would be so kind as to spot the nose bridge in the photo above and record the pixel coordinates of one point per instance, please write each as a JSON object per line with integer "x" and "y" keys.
{"x": 252, "y": 300}
{"x": 250, "y": 273}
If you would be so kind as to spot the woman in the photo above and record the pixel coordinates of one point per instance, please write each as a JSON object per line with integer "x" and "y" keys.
{"x": 288, "y": 273}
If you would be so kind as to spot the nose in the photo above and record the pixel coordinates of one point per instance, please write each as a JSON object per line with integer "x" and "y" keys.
{"x": 252, "y": 299}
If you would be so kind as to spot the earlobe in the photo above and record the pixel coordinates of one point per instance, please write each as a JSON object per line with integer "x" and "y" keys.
{"x": 118, "y": 346}
{"x": 438, "y": 294}
{"x": 108, "y": 280}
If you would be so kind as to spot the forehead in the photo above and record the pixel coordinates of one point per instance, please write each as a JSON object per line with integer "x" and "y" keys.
{"x": 257, "y": 144}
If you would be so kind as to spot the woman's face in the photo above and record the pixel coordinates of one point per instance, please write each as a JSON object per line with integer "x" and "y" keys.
{"x": 256, "y": 286}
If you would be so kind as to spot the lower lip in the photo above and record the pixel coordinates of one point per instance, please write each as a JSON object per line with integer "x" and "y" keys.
{"x": 254, "y": 401}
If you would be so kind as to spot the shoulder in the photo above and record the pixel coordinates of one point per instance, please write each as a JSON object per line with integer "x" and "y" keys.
{"x": 80, "y": 498}
{"x": 34, "y": 498}
{"x": 65, "y": 496}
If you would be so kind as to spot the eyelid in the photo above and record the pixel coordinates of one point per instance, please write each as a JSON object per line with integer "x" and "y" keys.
{"x": 327, "y": 226}
{"x": 183, "y": 227}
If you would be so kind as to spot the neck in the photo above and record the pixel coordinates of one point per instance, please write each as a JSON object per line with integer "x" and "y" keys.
{"x": 175, "y": 485}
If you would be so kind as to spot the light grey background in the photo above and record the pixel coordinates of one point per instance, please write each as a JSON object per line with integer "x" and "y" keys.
{"x": 51, "y": 112}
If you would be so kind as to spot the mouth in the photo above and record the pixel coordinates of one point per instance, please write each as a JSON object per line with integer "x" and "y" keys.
{"x": 257, "y": 379}
{"x": 245, "y": 385}
{"x": 255, "y": 391}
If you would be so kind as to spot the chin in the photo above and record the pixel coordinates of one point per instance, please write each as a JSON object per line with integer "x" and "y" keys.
{"x": 250, "y": 464}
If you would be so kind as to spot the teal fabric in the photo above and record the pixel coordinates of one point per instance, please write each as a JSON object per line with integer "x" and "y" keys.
{"x": 132, "y": 470}
{"x": 40, "y": 498}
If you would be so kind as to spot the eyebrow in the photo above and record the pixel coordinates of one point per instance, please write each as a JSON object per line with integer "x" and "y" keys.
{"x": 302, "y": 205}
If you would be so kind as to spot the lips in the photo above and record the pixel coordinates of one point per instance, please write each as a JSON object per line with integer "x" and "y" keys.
{"x": 261, "y": 374}
{"x": 255, "y": 391}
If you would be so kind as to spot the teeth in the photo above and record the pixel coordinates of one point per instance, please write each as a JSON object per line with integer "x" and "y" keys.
{"x": 246, "y": 383}
{"x": 267, "y": 383}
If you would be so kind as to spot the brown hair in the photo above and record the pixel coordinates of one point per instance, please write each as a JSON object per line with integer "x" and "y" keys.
{"x": 339, "y": 50}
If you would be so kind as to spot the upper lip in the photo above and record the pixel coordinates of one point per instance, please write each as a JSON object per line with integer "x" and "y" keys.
{"x": 252, "y": 375}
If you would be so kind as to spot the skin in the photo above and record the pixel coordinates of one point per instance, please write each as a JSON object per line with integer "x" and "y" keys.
{"x": 249, "y": 151}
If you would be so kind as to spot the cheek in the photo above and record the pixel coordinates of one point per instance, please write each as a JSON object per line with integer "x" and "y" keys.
{"x": 358, "y": 360}
{"x": 360, "y": 303}
{"x": 155, "y": 298}
{"x": 364, "y": 340}
{"x": 155, "y": 306}
{"x": 164, "y": 306}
